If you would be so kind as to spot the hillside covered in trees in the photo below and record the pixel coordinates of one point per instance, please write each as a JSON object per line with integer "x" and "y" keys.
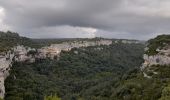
{"x": 90, "y": 73}
{"x": 85, "y": 73}
{"x": 105, "y": 72}
{"x": 10, "y": 39}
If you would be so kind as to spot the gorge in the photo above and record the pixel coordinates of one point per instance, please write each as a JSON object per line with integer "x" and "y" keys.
{"x": 84, "y": 69}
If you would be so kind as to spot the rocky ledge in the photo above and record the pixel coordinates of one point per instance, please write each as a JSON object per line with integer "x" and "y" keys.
{"x": 161, "y": 58}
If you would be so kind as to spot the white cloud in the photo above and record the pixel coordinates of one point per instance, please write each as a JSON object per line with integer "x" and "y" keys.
{"x": 151, "y": 8}
{"x": 3, "y": 27}
{"x": 64, "y": 31}
{"x": 1, "y": 14}
{"x": 136, "y": 19}
{"x": 88, "y": 30}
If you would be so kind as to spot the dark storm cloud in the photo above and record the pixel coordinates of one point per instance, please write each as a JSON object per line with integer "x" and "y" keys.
{"x": 140, "y": 19}
{"x": 54, "y": 12}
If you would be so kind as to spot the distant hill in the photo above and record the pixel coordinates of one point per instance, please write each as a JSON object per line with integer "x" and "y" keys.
{"x": 10, "y": 39}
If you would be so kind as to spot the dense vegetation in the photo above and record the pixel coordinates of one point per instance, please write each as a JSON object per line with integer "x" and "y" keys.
{"x": 157, "y": 43}
{"x": 10, "y": 39}
{"x": 92, "y": 73}
{"x": 136, "y": 87}
{"x": 52, "y": 98}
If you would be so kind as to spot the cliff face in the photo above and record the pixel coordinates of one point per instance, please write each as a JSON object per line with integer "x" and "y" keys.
{"x": 55, "y": 49}
{"x": 22, "y": 53}
{"x": 161, "y": 56}
{"x": 5, "y": 63}
{"x": 18, "y": 53}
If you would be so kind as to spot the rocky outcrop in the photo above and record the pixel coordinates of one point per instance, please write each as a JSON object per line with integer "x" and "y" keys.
{"x": 161, "y": 58}
{"x": 18, "y": 53}
{"x": 55, "y": 49}
{"x": 21, "y": 53}
{"x": 5, "y": 63}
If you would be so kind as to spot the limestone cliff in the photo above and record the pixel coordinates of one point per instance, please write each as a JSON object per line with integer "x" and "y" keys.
{"x": 157, "y": 53}
{"x": 22, "y": 53}
{"x": 18, "y": 53}
{"x": 55, "y": 49}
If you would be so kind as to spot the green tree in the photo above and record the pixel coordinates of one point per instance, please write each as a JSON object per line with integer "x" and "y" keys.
{"x": 52, "y": 98}
{"x": 165, "y": 93}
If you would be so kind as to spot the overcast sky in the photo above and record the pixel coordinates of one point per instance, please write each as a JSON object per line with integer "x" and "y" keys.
{"x": 132, "y": 19}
